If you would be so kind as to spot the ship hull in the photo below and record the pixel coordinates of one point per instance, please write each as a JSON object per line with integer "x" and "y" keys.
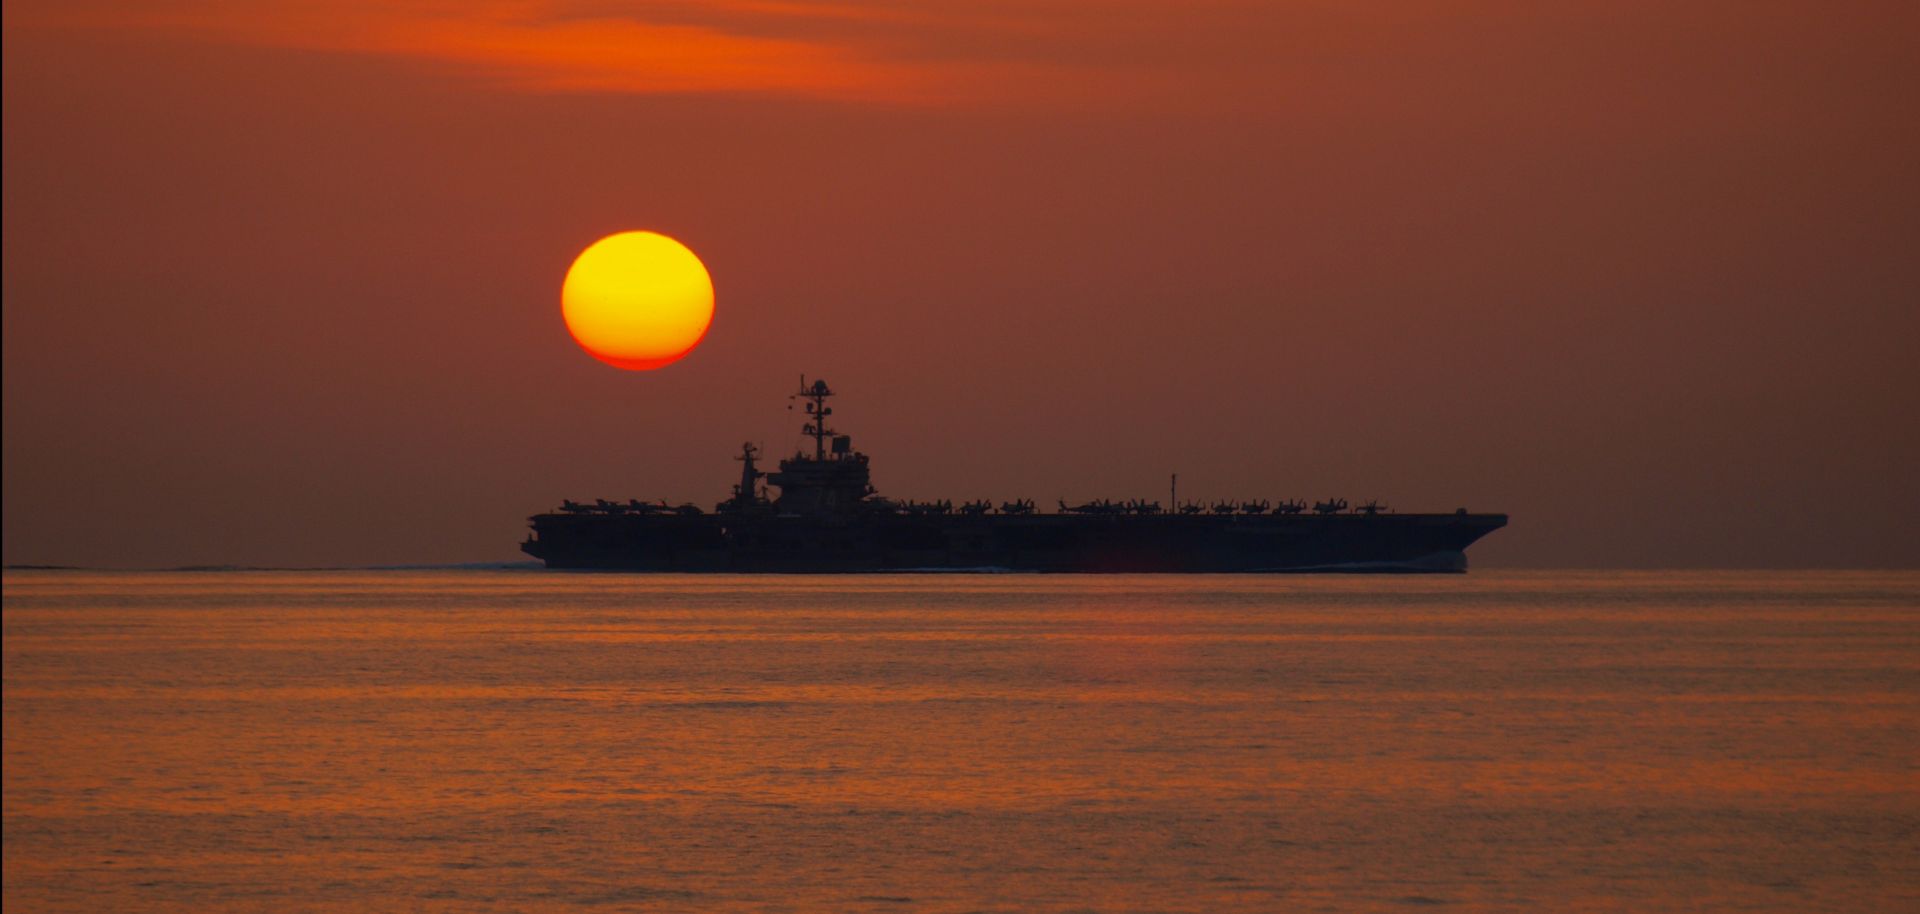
{"x": 1413, "y": 543}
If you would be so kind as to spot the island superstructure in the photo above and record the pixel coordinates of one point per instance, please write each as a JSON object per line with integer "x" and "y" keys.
{"x": 827, "y": 517}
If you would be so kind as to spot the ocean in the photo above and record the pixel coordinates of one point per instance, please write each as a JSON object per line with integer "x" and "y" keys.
{"x": 521, "y": 740}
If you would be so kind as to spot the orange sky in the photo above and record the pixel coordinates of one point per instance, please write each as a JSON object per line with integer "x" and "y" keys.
{"x": 281, "y": 279}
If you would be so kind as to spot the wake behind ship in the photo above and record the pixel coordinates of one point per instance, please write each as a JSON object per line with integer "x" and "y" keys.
{"x": 828, "y": 517}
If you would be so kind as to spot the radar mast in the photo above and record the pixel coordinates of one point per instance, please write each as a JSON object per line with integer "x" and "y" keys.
{"x": 817, "y": 413}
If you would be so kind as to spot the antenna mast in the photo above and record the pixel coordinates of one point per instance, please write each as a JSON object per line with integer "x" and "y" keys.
{"x": 817, "y": 413}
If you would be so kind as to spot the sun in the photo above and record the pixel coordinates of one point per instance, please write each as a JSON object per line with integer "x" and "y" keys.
{"x": 637, "y": 300}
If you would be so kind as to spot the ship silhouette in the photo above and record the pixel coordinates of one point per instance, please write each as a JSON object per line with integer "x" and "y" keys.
{"x": 828, "y": 517}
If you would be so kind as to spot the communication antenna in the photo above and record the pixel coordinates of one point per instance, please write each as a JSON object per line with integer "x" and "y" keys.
{"x": 817, "y": 413}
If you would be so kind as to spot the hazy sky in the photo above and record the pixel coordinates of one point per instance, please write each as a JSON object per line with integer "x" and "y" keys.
{"x": 282, "y": 279}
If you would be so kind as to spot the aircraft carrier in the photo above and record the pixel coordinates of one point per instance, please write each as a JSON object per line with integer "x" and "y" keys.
{"x": 828, "y": 517}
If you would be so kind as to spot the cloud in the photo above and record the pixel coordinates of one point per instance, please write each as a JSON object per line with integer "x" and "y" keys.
{"x": 880, "y": 53}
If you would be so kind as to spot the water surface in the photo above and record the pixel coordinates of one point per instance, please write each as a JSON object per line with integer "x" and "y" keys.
{"x": 530, "y": 741}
